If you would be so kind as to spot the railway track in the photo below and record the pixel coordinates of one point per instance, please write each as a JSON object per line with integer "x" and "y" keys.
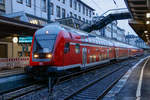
{"x": 92, "y": 89}
{"x": 87, "y": 79}
{"x": 18, "y": 92}
{"x": 87, "y": 90}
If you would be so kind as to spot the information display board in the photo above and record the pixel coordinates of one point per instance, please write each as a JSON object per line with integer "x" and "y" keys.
{"x": 25, "y": 40}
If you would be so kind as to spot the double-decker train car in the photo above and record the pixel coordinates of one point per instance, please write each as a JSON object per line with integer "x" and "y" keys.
{"x": 57, "y": 48}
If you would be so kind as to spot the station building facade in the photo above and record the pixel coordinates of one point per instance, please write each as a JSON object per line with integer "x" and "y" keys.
{"x": 112, "y": 31}
{"x": 36, "y": 12}
{"x": 135, "y": 41}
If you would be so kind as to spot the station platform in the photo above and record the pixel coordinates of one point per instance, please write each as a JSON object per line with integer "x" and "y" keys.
{"x": 15, "y": 71}
{"x": 134, "y": 85}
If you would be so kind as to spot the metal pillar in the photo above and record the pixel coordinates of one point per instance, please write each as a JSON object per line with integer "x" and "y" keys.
{"x": 148, "y": 4}
{"x": 48, "y": 11}
{"x": 51, "y": 83}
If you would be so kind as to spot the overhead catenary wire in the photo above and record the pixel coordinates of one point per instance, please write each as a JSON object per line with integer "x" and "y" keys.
{"x": 115, "y": 3}
{"x": 98, "y": 6}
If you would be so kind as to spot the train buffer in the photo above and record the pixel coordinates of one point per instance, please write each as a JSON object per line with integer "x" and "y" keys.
{"x": 134, "y": 84}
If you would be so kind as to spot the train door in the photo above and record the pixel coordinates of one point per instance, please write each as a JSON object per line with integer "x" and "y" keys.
{"x": 84, "y": 56}
{"x": 117, "y": 52}
{"x": 128, "y": 52}
{"x": 67, "y": 54}
{"x": 107, "y": 53}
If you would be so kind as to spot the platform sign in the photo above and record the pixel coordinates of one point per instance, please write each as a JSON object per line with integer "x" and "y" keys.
{"x": 25, "y": 40}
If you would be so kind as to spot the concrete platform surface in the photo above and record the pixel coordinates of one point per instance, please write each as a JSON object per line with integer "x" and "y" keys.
{"x": 134, "y": 85}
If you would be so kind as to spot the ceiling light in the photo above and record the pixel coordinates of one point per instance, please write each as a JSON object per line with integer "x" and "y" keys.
{"x": 145, "y": 31}
{"x": 146, "y": 35}
{"x": 147, "y": 22}
{"x": 147, "y": 15}
{"x": 15, "y": 39}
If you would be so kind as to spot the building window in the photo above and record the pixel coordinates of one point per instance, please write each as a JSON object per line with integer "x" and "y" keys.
{"x": 79, "y": 7}
{"x": 63, "y": 13}
{"x": 93, "y": 13}
{"x": 19, "y": 1}
{"x": 75, "y": 16}
{"x": 43, "y": 4}
{"x": 28, "y": 3}
{"x": 86, "y": 12}
{"x": 2, "y": 12}
{"x": 84, "y": 19}
{"x": 58, "y": 11}
{"x": 70, "y": 3}
{"x": 64, "y": 1}
{"x": 70, "y": 14}
{"x": 79, "y": 17}
{"x": 90, "y": 13}
{"x": 75, "y": 5}
{"x": 90, "y": 22}
{"x": 52, "y": 8}
{"x": 83, "y": 10}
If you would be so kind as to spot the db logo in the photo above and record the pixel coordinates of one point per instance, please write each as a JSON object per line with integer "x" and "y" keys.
{"x": 40, "y": 63}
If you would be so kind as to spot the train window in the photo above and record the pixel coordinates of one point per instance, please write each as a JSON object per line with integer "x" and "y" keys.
{"x": 107, "y": 53}
{"x": 67, "y": 47}
{"x": 94, "y": 57}
{"x": 99, "y": 57}
{"x": 91, "y": 58}
{"x": 77, "y": 48}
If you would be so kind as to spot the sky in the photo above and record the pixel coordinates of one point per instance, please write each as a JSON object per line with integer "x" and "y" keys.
{"x": 102, "y": 6}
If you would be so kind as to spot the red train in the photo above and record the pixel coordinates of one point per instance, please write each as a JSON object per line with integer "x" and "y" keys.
{"x": 57, "y": 48}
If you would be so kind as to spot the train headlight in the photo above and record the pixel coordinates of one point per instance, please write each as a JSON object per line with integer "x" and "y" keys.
{"x": 49, "y": 55}
{"x": 36, "y": 55}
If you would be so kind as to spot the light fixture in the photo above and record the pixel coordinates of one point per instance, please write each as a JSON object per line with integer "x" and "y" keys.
{"x": 145, "y": 31}
{"x": 15, "y": 39}
{"x": 49, "y": 55}
{"x": 36, "y": 55}
{"x": 34, "y": 21}
{"x": 147, "y": 15}
{"x": 147, "y": 22}
{"x": 146, "y": 35}
{"x": 46, "y": 32}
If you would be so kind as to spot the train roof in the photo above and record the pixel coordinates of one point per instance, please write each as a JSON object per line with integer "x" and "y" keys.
{"x": 92, "y": 38}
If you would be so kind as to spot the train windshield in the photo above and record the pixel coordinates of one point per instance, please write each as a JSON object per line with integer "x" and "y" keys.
{"x": 44, "y": 43}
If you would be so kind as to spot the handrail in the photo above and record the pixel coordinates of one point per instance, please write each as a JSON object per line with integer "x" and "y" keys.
{"x": 113, "y": 10}
{"x": 106, "y": 18}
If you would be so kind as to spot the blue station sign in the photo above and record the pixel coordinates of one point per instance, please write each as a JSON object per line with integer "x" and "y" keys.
{"x": 26, "y": 39}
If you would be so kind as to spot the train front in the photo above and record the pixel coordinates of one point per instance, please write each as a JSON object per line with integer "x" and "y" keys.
{"x": 42, "y": 49}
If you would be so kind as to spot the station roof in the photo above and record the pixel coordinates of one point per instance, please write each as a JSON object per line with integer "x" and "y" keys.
{"x": 139, "y": 10}
{"x": 9, "y": 27}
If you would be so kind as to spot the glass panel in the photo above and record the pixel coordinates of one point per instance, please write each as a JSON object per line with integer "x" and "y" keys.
{"x": 44, "y": 43}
